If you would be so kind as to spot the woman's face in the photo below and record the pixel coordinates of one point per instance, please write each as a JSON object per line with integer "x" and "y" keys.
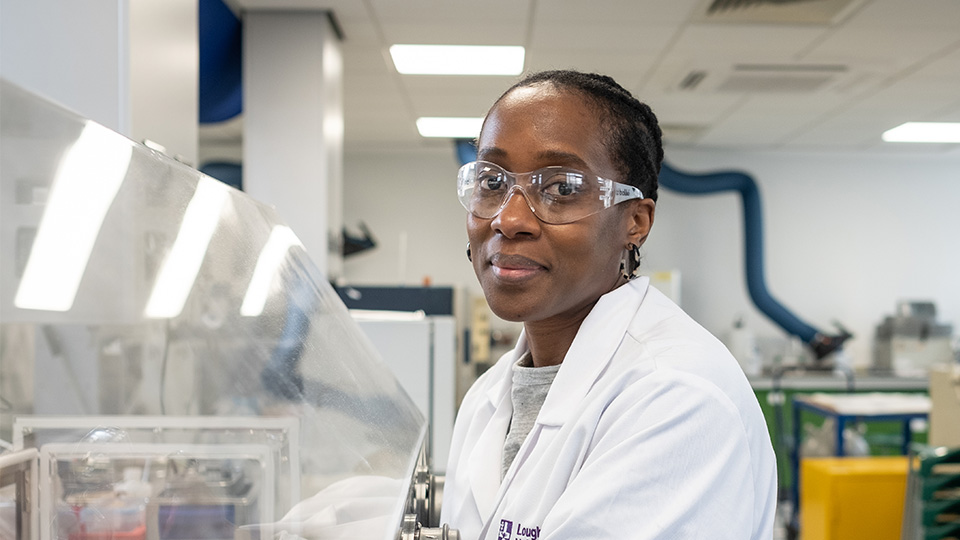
{"x": 530, "y": 270}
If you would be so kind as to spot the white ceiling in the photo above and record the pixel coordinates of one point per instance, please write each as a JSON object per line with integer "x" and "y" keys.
{"x": 868, "y": 66}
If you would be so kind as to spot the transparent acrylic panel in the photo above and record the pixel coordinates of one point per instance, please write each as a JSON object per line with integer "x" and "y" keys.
{"x": 141, "y": 301}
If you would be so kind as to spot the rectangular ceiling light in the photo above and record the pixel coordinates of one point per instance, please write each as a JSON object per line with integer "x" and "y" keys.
{"x": 924, "y": 132}
{"x": 452, "y": 128}
{"x": 457, "y": 59}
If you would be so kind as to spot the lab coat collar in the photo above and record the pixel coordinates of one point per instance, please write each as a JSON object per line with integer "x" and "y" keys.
{"x": 592, "y": 349}
{"x": 504, "y": 381}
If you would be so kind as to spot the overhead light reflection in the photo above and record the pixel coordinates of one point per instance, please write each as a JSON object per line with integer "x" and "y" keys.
{"x": 924, "y": 132}
{"x": 281, "y": 239}
{"x": 449, "y": 127}
{"x": 457, "y": 59}
{"x": 181, "y": 266}
{"x": 85, "y": 185}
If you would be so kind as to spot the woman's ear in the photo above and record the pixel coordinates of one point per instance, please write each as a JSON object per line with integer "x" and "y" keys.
{"x": 639, "y": 216}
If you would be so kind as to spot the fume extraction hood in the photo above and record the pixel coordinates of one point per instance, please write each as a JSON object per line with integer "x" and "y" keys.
{"x": 150, "y": 387}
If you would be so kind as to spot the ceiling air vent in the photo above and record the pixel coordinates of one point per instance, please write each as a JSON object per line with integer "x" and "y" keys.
{"x": 769, "y": 78}
{"x": 692, "y": 79}
{"x": 765, "y": 78}
{"x": 822, "y": 12}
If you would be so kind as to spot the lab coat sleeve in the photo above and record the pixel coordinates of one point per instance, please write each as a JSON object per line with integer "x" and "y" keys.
{"x": 669, "y": 459}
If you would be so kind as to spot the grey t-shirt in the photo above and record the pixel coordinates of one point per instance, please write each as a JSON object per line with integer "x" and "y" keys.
{"x": 530, "y": 387}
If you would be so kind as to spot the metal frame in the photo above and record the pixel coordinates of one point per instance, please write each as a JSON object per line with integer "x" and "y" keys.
{"x": 20, "y": 469}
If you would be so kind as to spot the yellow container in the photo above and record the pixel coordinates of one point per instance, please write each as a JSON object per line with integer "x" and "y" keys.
{"x": 852, "y": 498}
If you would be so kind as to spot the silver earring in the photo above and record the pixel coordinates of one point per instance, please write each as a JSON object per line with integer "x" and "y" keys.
{"x": 469, "y": 255}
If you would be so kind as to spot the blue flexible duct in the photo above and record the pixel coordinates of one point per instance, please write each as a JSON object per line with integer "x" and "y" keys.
{"x": 705, "y": 184}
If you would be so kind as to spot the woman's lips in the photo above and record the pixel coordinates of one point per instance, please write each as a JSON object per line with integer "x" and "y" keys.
{"x": 514, "y": 267}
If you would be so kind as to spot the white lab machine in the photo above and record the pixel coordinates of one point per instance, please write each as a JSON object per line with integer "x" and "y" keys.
{"x": 911, "y": 341}
{"x": 173, "y": 365}
{"x": 421, "y": 351}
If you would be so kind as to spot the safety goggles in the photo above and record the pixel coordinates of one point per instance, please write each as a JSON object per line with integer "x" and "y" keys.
{"x": 556, "y": 195}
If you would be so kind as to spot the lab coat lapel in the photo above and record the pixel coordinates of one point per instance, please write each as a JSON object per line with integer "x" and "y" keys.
{"x": 487, "y": 453}
{"x": 592, "y": 350}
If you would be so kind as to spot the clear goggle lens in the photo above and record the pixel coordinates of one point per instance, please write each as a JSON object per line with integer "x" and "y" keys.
{"x": 555, "y": 195}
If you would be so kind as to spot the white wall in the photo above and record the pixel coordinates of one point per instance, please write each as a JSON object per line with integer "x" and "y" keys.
{"x": 846, "y": 236}
{"x": 131, "y": 65}
{"x": 75, "y": 53}
{"x": 407, "y": 199}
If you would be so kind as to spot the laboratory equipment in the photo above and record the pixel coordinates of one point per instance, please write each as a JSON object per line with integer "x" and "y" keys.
{"x": 911, "y": 341}
{"x": 150, "y": 366}
{"x": 845, "y": 408}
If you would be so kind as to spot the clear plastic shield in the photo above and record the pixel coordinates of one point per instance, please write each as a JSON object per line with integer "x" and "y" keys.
{"x": 180, "y": 364}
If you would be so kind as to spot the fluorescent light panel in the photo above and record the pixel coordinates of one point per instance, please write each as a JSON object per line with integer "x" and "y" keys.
{"x": 179, "y": 271}
{"x": 453, "y": 128}
{"x": 924, "y": 132}
{"x": 457, "y": 59}
{"x": 269, "y": 262}
{"x": 87, "y": 181}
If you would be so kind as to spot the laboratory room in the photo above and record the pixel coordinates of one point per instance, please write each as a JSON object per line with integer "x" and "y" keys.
{"x": 331, "y": 269}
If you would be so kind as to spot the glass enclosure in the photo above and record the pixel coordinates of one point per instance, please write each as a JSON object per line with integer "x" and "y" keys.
{"x": 181, "y": 367}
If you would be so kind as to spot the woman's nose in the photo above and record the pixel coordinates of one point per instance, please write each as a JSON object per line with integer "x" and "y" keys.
{"x": 516, "y": 215}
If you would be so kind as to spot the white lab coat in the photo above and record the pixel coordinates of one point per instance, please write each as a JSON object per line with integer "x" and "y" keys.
{"x": 650, "y": 430}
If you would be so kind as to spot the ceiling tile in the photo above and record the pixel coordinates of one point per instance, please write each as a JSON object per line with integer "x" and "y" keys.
{"x": 902, "y": 59}
{"x": 626, "y": 69}
{"x": 616, "y": 38}
{"x": 940, "y": 69}
{"x": 454, "y": 96}
{"x": 614, "y": 11}
{"x": 461, "y": 32}
{"x": 466, "y": 105}
{"x": 343, "y": 8}
{"x": 689, "y": 109}
{"x": 359, "y": 33}
{"x": 453, "y": 84}
{"x": 849, "y": 128}
{"x": 366, "y": 60}
{"x": 744, "y": 43}
{"x": 769, "y": 119}
{"x": 899, "y": 14}
{"x": 880, "y": 49}
{"x": 452, "y": 11}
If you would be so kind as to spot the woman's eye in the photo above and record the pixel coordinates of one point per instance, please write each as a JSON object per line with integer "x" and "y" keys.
{"x": 490, "y": 182}
{"x": 563, "y": 187}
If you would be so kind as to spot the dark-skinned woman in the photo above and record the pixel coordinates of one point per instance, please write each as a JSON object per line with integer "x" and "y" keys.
{"x": 616, "y": 415}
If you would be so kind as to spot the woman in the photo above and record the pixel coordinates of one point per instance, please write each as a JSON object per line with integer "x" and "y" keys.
{"x": 616, "y": 415}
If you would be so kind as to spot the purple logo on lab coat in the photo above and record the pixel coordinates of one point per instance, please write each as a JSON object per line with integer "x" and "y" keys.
{"x": 506, "y": 530}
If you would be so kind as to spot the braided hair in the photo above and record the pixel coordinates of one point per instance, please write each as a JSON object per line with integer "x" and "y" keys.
{"x": 634, "y": 135}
